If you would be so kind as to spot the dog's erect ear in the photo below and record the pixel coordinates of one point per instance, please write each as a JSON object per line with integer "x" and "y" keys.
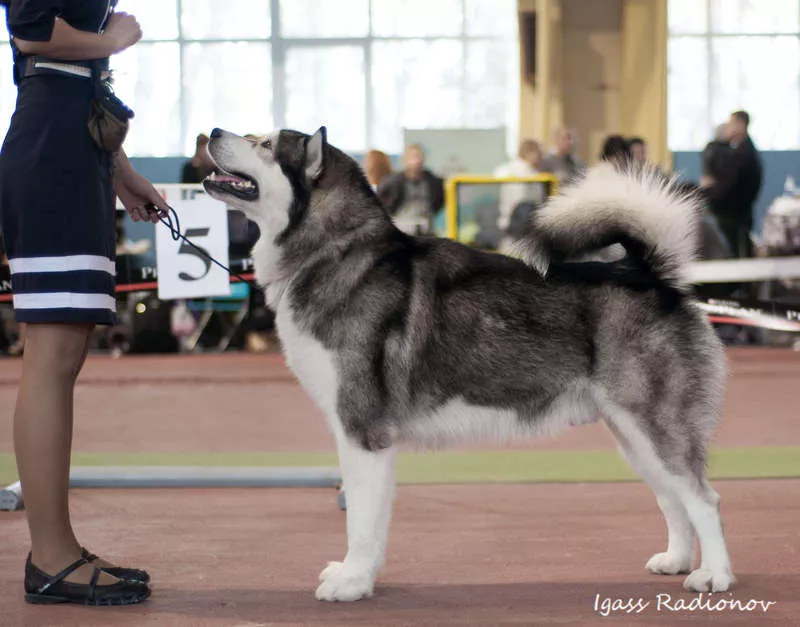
{"x": 315, "y": 154}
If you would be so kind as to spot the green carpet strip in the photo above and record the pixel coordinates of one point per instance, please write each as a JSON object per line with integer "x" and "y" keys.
{"x": 467, "y": 467}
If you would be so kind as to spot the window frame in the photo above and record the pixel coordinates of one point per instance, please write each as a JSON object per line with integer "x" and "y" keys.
{"x": 709, "y": 35}
{"x": 280, "y": 45}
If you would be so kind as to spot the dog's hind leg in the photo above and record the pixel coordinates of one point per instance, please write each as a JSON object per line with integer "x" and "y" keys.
{"x": 714, "y": 574}
{"x": 679, "y": 556}
{"x": 369, "y": 482}
{"x": 686, "y": 500}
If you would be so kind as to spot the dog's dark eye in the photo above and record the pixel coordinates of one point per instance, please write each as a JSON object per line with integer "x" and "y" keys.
{"x": 267, "y": 143}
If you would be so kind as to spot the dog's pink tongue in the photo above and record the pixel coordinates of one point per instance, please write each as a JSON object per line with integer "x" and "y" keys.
{"x": 226, "y": 178}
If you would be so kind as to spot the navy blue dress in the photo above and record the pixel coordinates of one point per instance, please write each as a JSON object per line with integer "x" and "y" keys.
{"x": 56, "y": 197}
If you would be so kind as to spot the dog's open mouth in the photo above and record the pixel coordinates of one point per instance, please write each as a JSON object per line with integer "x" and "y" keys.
{"x": 235, "y": 184}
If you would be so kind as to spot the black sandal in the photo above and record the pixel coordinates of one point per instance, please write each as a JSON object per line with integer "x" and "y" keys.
{"x": 42, "y": 589}
{"x": 128, "y": 574}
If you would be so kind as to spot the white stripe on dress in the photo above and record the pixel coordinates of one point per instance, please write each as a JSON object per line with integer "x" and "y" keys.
{"x": 66, "y": 68}
{"x": 70, "y": 263}
{"x": 64, "y": 300}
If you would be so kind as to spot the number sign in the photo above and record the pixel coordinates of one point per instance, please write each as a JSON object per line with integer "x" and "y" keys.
{"x": 185, "y": 271}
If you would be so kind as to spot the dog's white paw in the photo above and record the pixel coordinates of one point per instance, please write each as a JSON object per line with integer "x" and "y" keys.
{"x": 707, "y": 580}
{"x": 342, "y": 583}
{"x": 669, "y": 564}
{"x": 331, "y": 569}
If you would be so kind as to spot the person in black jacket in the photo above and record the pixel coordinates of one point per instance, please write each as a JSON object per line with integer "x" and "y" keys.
{"x": 715, "y": 155}
{"x": 414, "y": 195}
{"x": 733, "y": 183}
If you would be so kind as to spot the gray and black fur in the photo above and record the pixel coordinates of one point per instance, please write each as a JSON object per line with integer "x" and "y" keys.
{"x": 430, "y": 341}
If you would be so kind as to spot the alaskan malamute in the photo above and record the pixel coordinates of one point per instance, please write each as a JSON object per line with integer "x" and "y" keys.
{"x": 423, "y": 341}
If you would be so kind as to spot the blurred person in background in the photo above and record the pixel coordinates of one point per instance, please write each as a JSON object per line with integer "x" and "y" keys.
{"x": 377, "y": 167}
{"x": 714, "y": 155}
{"x": 562, "y": 161}
{"x": 712, "y": 245}
{"x": 640, "y": 156}
{"x": 638, "y": 150}
{"x": 733, "y": 187}
{"x": 200, "y": 165}
{"x": 525, "y": 164}
{"x": 711, "y": 242}
{"x": 616, "y": 150}
{"x": 414, "y": 195}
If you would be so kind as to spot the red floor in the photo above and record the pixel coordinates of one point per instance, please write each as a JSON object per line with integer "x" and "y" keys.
{"x": 466, "y": 555}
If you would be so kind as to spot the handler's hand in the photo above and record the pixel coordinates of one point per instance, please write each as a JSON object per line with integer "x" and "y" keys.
{"x": 123, "y": 30}
{"x": 136, "y": 192}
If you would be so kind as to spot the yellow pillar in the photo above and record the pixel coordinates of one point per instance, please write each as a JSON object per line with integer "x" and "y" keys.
{"x": 644, "y": 75}
{"x": 541, "y": 107}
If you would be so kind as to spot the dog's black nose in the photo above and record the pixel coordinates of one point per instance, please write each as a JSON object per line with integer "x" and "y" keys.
{"x": 216, "y": 133}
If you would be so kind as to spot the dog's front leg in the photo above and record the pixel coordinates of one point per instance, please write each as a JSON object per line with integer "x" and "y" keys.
{"x": 368, "y": 479}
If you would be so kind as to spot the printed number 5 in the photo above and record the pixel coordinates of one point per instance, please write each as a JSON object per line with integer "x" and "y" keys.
{"x": 185, "y": 249}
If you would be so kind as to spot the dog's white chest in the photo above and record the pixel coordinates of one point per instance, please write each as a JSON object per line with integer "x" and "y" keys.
{"x": 313, "y": 365}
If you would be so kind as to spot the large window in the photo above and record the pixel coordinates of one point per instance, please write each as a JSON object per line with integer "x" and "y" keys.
{"x": 365, "y": 68}
{"x": 734, "y": 54}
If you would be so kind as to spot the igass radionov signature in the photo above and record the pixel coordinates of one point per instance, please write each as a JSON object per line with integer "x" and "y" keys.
{"x": 664, "y": 602}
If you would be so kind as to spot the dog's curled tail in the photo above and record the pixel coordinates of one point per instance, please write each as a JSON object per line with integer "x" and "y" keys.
{"x": 639, "y": 208}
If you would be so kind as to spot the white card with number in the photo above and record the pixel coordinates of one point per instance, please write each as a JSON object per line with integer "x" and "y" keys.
{"x": 183, "y": 271}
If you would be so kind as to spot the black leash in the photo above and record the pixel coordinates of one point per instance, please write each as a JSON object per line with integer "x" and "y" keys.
{"x": 172, "y": 222}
